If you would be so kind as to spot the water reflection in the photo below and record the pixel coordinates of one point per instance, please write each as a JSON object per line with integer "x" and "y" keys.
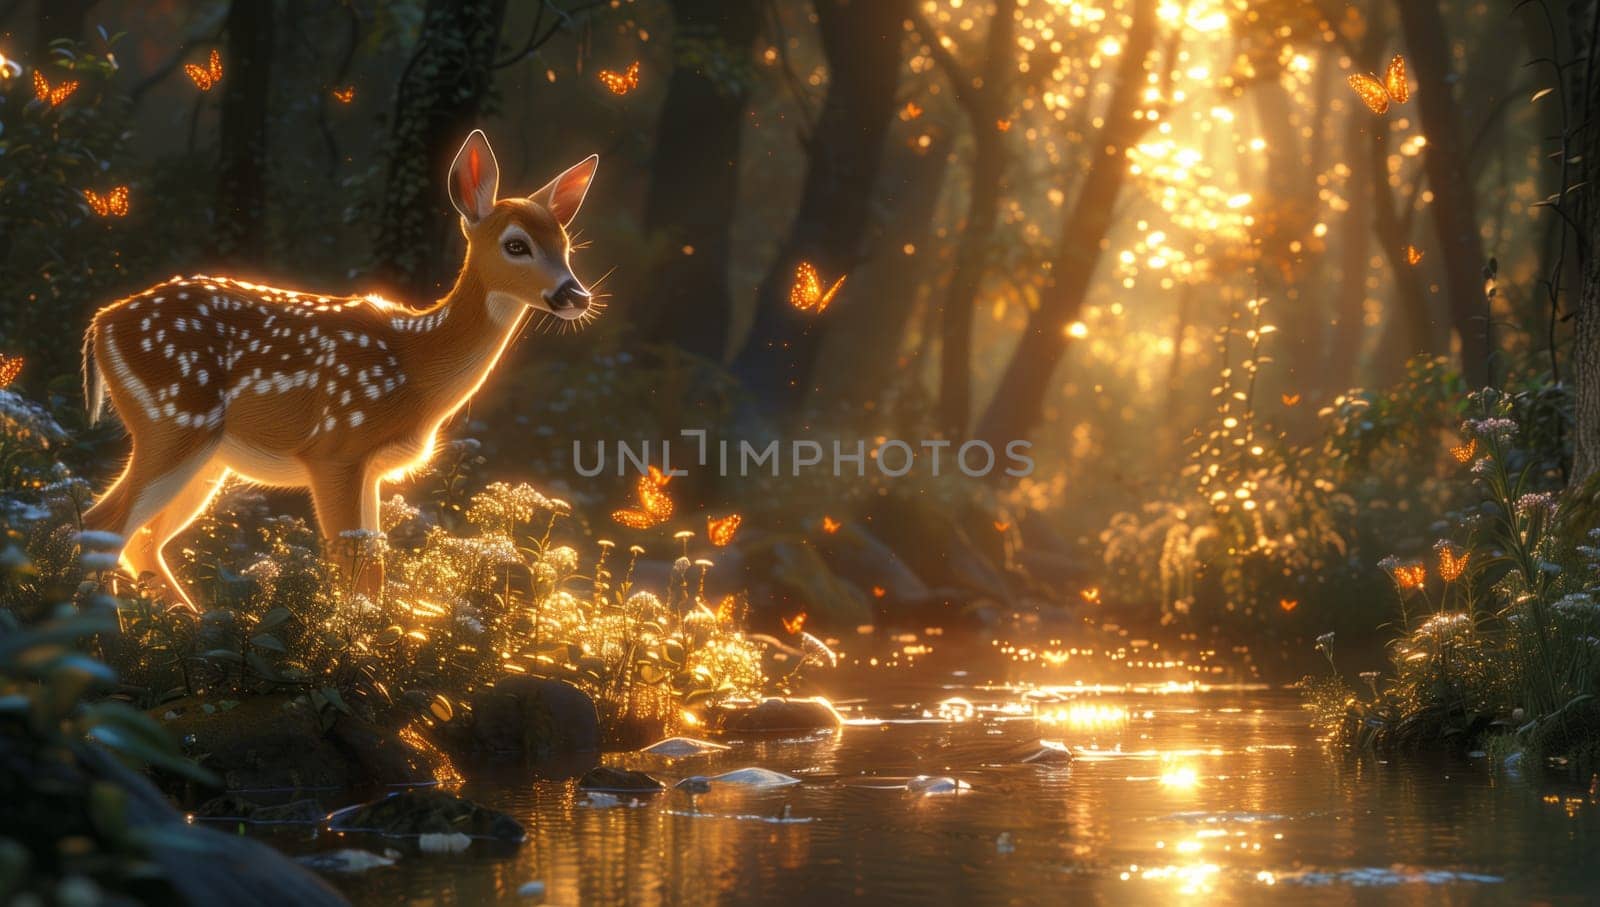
{"x": 1178, "y": 795}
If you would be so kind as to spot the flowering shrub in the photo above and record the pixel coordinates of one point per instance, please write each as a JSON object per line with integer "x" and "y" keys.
{"x": 478, "y": 586}
{"x": 1499, "y": 627}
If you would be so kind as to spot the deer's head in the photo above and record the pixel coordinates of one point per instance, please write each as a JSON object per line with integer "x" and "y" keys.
{"x": 518, "y": 247}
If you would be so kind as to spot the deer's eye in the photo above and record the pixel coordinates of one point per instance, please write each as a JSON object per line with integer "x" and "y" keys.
{"x": 517, "y": 248}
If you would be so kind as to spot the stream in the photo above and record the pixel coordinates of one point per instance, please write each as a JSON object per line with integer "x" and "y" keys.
{"x": 1179, "y": 793}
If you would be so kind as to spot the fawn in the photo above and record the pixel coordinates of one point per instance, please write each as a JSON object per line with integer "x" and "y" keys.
{"x": 214, "y": 376}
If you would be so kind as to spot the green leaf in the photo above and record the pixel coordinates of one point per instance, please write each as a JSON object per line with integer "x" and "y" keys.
{"x": 108, "y": 809}
{"x": 269, "y": 642}
{"x": 260, "y": 666}
{"x": 223, "y": 655}
{"x": 274, "y": 618}
{"x": 336, "y": 699}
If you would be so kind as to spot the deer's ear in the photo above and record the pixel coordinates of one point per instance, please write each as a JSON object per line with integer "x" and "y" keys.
{"x": 563, "y": 196}
{"x": 474, "y": 178}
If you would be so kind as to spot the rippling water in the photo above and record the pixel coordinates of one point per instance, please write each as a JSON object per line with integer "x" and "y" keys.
{"x": 1179, "y": 796}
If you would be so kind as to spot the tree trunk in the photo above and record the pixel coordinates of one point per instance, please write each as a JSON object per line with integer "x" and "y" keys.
{"x": 694, "y": 179}
{"x": 862, "y": 43}
{"x": 972, "y": 260}
{"x": 1018, "y": 401}
{"x": 1409, "y": 328}
{"x": 441, "y": 96}
{"x": 862, "y": 356}
{"x": 1586, "y": 336}
{"x": 1586, "y": 366}
{"x": 1454, "y": 205}
{"x": 986, "y": 99}
{"x": 1350, "y": 293}
{"x": 241, "y": 234}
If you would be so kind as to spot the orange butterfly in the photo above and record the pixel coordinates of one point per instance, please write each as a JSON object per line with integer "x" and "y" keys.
{"x": 1465, "y": 452}
{"x": 345, "y": 95}
{"x": 830, "y": 525}
{"x": 1377, "y": 95}
{"x": 794, "y": 624}
{"x": 1001, "y": 525}
{"x": 913, "y": 110}
{"x": 52, "y": 96}
{"x": 623, "y": 82}
{"x": 1452, "y": 566}
{"x": 1291, "y": 399}
{"x": 726, "y": 609}
{"x": 1413, "y": 255}
{"x": 720, "y": 532}
{"x": 1003, "y": 124}
{"x": 807, "y": 294}
{"x": 1288, "y": 604}
{"x": 10, "y": 368}
{"x": 655, "y": 506}
{"x": 208, "y": 75}
{"x": 112, "y": 204}
{"x": 1091, "y": 595}
{"x": 879, "y": 592}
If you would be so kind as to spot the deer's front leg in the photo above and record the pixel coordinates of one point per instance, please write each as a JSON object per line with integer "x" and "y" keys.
{"x": 346, "y": 501}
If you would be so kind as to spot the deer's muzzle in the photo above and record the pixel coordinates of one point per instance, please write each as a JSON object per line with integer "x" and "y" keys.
{"x": 570, "y": 298}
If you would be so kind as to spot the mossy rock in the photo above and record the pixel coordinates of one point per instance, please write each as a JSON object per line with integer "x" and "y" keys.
{"x": 612, "y": 780}
{"x": 234, "y": 808}
{"x": 777, "y": 716}
{"x": 532, "y": 718}
{"x": 428, "y": 812}
{"x": 278, "y": 742}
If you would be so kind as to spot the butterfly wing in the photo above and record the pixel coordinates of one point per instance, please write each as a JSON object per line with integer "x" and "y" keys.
{"x": 807, "y": 287}
{"x": 620, "y": 83}
{"x": 1394, "y": 80}
{"x": 721, "y": 532}
{"x": 118, "y": 201}
{"x": 52, "y": 95}
{"x": 214, "y": 66}
{"x": 1371, "y": 92}
{"x": 198, "y": 75}
{"x": 655, "y": 501}
{"x": 10, "y": 367}
{"x": 827, "y": 297}
{"x": 634, "y": 519}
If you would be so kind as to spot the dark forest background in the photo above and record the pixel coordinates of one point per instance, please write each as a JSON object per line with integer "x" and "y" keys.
{"x": 1233, "y": 309}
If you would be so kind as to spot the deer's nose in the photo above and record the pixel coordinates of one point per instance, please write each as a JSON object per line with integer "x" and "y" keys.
{"x": 569, "y": 295}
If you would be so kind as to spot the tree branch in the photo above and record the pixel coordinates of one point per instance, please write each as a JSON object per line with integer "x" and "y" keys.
{"x": 968, "y": 95}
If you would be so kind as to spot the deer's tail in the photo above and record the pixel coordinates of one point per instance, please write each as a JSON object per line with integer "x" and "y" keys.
{"x": 94, "y": 383}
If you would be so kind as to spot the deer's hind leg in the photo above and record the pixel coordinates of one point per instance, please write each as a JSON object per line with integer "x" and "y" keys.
{"x": 152, "y": 501}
